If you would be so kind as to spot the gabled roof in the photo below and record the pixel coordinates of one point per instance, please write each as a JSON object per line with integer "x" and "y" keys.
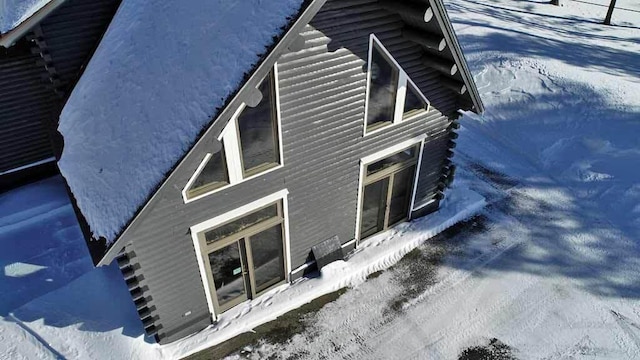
{"x": 17, "y": 17}
{"x": 162, "y": 75}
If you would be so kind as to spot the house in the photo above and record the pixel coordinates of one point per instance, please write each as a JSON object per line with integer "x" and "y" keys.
{"x": 44, "y": 46}
{"x": 221, "y": 150}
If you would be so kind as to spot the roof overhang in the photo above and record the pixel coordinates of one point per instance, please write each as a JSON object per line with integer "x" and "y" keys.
{"x": 9, "y": 38}
{"x": 443, "y": 18}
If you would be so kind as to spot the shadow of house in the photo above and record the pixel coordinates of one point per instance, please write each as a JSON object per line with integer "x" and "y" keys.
{"x": 107, "y": 308}
{"x": 46, "y": 272}
{"x": 42, "y": 247}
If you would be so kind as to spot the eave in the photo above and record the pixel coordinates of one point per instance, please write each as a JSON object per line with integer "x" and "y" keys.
{"x": 9, "y": 38}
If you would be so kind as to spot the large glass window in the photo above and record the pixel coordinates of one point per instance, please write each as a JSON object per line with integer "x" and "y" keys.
{"x": 387, "y": 188}
{"x": 392, "y": 96}
{"x": 383, "y": 88}
{"x": 257, "y": 128}
{"x": 244, "y": 257}
{"x": 212, "y": 176}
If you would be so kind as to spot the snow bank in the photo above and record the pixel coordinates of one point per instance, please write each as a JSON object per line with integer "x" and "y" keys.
{"x": 157, "y": 78}
{"x": 14, "y": 12}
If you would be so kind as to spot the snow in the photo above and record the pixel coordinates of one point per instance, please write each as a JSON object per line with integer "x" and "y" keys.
{"x": 553, "y": 272}
{"x": 42, "y": 246}
{"x": 158, "y": 77}
{"x": 14, "y": 12}
{"x": 61, "y": 323}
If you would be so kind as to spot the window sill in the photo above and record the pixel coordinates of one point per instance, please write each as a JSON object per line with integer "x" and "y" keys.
{"x": 228, "y": 186}
{"x": 379, "y": 128}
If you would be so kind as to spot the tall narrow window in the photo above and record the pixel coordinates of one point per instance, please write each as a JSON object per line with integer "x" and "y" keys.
{"x": 258, "y": 132}
{"x": 212, "y": 176}
{"x": 383, "y": 87}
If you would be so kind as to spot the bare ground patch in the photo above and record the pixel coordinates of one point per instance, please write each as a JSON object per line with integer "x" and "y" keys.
{"x": 277, "y": 331}
{"x": 494, "y": 350}
{"x": 417, "y": 270}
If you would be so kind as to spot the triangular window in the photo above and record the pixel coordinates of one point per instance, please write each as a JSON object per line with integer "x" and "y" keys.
{"x": 391, "y": 95}
{"x": 414, "y": 102}
{"x": 211, "y": 176}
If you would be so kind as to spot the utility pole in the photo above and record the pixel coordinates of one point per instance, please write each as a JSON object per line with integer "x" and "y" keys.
{"x": 607, "y": 20}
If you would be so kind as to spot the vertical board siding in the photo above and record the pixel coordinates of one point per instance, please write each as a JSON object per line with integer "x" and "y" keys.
{"x": 322, "y": 101}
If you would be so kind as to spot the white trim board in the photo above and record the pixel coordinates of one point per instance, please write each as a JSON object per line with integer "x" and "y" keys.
{"x": 233, "y": 214}
{"x": 24, "y": 167}
{"x": 403, "y": 82}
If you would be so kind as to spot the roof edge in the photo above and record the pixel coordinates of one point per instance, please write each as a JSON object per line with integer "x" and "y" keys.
{"x": 311, "y": 8}
{"x": 9, "y": 38}
{"x": 451, "y": 37}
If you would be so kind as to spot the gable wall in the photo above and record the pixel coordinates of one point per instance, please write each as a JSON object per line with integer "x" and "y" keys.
{"x": 322, "y": 94}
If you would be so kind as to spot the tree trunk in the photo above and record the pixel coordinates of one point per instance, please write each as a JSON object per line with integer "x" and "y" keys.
{"x": 607, "y": 20}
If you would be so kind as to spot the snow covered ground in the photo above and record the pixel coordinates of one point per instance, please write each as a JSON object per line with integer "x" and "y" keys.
{"x": 93, "y": 316}
{"x": 554, "y": 272}
{"x": 551, "y": 271}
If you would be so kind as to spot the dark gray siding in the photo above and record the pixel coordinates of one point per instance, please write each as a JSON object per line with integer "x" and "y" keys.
{"x": 322, "y": 93}
{"x": 25, "y": 103}
{"x": 71, "y": 34}
{"x": 38, "y": 73}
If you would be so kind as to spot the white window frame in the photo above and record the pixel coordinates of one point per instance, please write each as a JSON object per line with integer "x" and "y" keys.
{"x": 401, "y": 94}
{"x": 230, "y": 140}
{"x": 379, "y": 156}
{"x": 237, "y": 213}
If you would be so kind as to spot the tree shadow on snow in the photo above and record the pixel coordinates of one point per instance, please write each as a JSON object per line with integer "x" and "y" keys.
{"x": 565, "y": 140}
{"x": 580, "y": 229}
{"x": 566, "y": 45}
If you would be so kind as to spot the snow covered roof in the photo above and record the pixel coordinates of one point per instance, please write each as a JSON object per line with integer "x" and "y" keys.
{"x": 19, "y": 16}
{"x": 160, "y": 75}
{"x": 14, "y": 12}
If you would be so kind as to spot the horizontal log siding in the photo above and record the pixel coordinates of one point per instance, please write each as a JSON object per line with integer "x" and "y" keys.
{"x": 25, "y": 104}
{"x": 322, "y": 95}
{"x": 72, "y": 33}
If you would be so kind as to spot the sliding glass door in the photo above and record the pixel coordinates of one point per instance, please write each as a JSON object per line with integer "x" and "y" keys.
{"x": 386, "y": 195}
{"x": 245, "y": 257}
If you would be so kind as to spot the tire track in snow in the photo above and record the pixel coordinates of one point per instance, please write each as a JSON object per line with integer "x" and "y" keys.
{"x": 35, "y": 339}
